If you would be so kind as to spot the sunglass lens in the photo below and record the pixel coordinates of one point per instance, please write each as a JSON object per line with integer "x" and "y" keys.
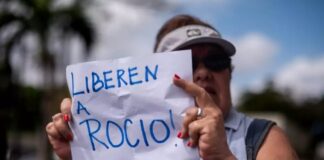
{"x": 195, "y": 62}
{"x": 217, "y": 64}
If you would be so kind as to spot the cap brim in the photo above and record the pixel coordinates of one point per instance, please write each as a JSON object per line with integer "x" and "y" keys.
{"x": 226, "y": 45}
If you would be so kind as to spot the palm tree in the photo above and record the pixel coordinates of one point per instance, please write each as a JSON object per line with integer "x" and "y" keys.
{"x": 42, "y": 19}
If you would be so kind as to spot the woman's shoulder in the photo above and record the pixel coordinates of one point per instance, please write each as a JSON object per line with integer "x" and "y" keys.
{"x": 270, "y": 150}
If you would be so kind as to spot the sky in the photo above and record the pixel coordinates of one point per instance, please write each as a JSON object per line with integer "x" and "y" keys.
{"x": 278, "y": 40}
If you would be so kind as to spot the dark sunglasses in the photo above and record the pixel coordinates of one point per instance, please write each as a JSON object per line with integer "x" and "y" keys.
{"x": 213, "y": 62}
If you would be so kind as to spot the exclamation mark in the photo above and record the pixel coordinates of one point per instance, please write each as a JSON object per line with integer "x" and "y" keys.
{"x": 172, "y": 122}
{"x": 171, "y": 119}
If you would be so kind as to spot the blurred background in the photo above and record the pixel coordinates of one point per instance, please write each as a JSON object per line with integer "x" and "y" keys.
{"x": 279, "y": 65}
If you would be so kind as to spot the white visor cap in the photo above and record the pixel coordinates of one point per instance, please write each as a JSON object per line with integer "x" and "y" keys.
{"x": 193, "y": 34}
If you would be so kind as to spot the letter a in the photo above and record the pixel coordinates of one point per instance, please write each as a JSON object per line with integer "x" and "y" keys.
{"x": 82, "y": 107}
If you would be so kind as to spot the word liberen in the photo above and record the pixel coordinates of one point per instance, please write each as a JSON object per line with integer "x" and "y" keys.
{"x": 109, "y": 79}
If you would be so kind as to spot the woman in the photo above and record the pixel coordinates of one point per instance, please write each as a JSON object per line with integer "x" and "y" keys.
{"x": 212, "y": 125}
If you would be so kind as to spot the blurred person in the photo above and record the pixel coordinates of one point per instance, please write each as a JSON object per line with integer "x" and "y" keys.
{"x": 213, "y": 125}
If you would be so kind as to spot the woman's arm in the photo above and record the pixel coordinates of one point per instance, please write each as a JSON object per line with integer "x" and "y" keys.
{"x": 276, "y": 146}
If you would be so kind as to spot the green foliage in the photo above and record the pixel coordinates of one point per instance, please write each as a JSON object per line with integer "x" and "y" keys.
{"x": 271, "y": 100}
{"x": 21, "y": 108}
{"x": 41, "y": 18}
{"x": 28, "y": 109}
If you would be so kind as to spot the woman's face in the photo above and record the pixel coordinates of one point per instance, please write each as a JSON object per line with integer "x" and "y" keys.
{"x": 215, "y": 79}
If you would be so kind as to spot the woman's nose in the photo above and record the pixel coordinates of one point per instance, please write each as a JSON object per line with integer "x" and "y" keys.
{"x": 201, "y": 73}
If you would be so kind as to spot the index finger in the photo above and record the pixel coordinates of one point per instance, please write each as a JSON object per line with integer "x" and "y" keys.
{"x": 201, "y": 96}
{"x": 190, "y": 87}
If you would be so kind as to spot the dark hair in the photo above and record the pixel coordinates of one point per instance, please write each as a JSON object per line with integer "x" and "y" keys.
{"x": 177, "y": 22}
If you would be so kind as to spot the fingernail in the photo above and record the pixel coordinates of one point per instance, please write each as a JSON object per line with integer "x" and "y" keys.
{"x": 66, "y": 117}
{"x": 176, "y": 76}
{"x": 69, "y": 136}
{"x": 186, "y": 135}
{"x": 179, "y": 135}
{"x": 189, "y": 144}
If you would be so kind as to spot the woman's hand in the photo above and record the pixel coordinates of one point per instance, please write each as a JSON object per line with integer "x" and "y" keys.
{"x": 207, "y": 130}
{"x": 59, "y": 133}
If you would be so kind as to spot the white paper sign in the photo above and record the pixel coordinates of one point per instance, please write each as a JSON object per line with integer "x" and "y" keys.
{"x": 129, "y": 108}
